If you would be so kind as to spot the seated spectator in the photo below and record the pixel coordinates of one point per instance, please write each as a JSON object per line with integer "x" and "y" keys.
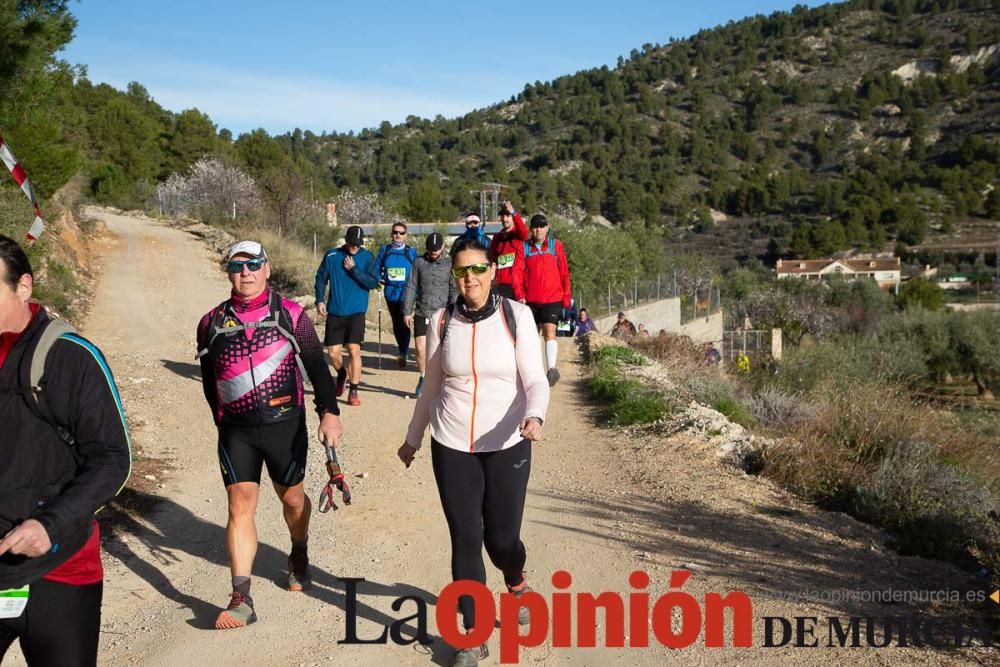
{"x": 585, "y": 324}
{"x": 712, "y": 355}
{"x": 623, "y": 329}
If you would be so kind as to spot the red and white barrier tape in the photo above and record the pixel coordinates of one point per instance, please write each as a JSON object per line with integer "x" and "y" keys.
{"x": 21, "y": 178}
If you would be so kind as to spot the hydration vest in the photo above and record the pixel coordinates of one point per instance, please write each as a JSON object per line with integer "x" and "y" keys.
{"x": 269, "y": 389}
{"x": 549, "y": 249}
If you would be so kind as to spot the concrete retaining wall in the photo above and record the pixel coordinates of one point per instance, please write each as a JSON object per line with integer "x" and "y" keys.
{"x": 663, "y": 314}
{"x": 704, "y": 329}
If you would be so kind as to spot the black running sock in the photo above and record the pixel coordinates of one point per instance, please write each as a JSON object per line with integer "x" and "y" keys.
{"x": 242, "y": 585}
{"x": 299, "y": 546}
{"x": 354, "y": 387}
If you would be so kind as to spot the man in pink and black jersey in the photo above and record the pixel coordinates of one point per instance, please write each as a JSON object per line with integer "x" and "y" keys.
{"x": 255, "y": 348}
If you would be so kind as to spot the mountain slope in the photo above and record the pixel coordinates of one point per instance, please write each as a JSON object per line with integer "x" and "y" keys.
{"x": 867, "y": 120}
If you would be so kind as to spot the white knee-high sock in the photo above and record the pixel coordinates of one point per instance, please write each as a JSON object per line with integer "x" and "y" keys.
{"x": 551, "y": 350}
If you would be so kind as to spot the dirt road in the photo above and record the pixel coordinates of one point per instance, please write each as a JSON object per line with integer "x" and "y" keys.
{"x": 600, "y": 506}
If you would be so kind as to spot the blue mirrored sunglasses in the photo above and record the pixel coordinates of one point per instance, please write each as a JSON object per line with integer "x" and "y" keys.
{"x": 236, "y": 265}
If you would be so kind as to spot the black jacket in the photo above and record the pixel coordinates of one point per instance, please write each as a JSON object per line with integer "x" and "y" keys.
{"x": 41, "y": 477}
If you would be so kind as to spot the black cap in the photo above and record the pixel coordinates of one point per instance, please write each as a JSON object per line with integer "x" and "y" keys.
{"x": 354, "y": 236}
{"x": 434, "y": 242}
{"x": 539, "y": 220}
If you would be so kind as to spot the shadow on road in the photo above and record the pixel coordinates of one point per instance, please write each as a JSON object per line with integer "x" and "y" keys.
{"x": 775, "y": 551}
{"x": 167, "y": 529}
{"x": 188, "y": 371}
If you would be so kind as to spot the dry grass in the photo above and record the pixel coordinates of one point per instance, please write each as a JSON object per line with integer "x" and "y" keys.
{"x": 871, "y": 452}
{"x": 293, "y": 270}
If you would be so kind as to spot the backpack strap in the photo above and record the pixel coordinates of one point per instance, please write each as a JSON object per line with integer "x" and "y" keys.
{"x": 283, "y": 322}
{"x": 550, "y": 249}
{"x": 217, "y": 326}
{"x": 443, "y": 323}
{"x": 506, "y": 316}
{"x": 509, "y": 319}
{"x": 34, "y": 394}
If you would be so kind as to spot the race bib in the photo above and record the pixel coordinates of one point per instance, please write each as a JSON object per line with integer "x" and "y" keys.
{"x": 396, "y": 274}
{"x": 13, "y": 601}
{"x": 505, "y": 261}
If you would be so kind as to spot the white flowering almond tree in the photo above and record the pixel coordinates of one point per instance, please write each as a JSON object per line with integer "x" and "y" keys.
{"x": 210, "y": 187}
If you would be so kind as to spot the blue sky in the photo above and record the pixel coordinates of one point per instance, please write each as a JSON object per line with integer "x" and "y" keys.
{"x": 345, "y": 66}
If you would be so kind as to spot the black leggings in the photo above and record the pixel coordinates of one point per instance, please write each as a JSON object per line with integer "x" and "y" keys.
{"x": 60, "y": 625}
{"x": 399, "y": 328}
{"x": 483, "y": 499}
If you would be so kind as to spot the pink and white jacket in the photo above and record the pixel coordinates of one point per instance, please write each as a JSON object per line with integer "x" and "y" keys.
{"x": 479, "y": 387}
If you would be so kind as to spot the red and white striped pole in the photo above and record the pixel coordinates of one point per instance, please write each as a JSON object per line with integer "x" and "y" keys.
{"x": 21, "y": 178}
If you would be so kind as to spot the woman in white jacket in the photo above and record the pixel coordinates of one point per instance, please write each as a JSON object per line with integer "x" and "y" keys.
{"x": 484, "y": 397}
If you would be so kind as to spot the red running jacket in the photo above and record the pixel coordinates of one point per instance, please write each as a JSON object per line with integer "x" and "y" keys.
{"x": 503, "y": 249}
{"x": 541, "y": 274}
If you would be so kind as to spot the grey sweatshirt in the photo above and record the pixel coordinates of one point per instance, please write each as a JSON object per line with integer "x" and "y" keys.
{"x": 430, "y": 287}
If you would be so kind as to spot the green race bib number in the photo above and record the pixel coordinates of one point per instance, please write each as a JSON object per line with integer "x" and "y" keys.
{"x": 13, "y": 601}
{"x": 505, "y": 261}
{"x": 396, "y": 274}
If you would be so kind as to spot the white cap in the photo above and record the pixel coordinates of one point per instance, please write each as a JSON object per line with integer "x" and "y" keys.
{"x": 252, "y": 248}
{"x": 472, "y": 217}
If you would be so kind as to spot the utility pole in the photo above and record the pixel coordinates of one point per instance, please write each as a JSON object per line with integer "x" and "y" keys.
{"x": 489, "y": 193}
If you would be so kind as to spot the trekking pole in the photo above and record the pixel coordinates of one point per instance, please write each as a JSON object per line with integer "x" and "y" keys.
{"x": 380, "y": 329}
{"x": 337, "y": 479}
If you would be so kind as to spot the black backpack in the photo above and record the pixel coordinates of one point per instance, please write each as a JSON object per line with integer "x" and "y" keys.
{"x": 506, "y": 313}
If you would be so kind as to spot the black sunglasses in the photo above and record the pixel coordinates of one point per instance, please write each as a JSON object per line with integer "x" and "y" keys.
{"x": 398, "y": 232}
{"x": 236, "y": 265}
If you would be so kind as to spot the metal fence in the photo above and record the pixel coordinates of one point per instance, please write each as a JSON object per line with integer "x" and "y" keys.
{"x": 614, "y": 297}
{"x": 756, "y": 344}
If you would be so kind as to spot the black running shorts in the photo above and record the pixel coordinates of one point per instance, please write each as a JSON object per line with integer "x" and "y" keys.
{"x": 282, "y": 447}
{"x": 546, "y": 313}
{"x": 349, "y": 329}
{"x": 420, "y": 324}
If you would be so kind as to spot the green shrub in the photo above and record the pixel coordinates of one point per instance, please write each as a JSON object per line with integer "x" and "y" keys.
{"x": 640, "y": 407}
{"x": 618, "y": 354}
{"x": 735, "y": 411}
{"x": 629, "y": 401}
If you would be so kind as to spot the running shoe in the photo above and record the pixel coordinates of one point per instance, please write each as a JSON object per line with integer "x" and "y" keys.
{"x": 401, "y": 360}
{"x": 420, "y": 387}
{"x": 353, "y": 398}
{"x": 341, "y": 381}
{"x": 298, "y": 572}
{"x": 523, "y": 615}
{"x": 469, "y": 657}
{"x": 553, "y": 376}
{"x": 238, "y": 614}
